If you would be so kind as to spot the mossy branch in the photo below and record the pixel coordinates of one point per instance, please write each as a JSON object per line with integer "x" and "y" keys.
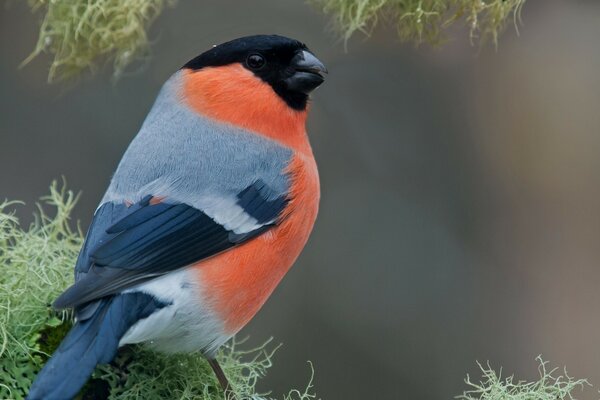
{"x": 37, "y": 265}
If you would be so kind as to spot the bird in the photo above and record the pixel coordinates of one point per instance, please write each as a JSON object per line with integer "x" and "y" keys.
{"x": 209, "y": 207}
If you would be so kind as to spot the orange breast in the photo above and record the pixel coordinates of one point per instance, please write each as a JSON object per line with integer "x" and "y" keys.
{"x": 238, "y": 282}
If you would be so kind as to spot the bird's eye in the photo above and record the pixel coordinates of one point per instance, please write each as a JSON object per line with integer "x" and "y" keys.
{"x": 255, "y": 61}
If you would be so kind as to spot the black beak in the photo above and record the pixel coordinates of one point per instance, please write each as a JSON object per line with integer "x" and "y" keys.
{"x": 309, "y": 72}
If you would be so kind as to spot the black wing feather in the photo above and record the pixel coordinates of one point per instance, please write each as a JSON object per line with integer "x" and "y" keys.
{"x": 259, "y": 201}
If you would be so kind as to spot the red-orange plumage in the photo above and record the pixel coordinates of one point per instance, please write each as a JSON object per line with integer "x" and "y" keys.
{"x": 238, "y": 282}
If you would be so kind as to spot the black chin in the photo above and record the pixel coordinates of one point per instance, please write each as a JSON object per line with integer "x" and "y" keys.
{"x": 294, "y": 99}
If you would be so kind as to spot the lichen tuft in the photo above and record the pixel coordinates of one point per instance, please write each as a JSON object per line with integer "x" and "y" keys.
{"x": 79, "y": 34}
{"x": 421, "y": 21}
{"x": 548, "y": 387}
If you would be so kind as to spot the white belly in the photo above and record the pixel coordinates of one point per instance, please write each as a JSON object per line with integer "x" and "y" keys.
{"x": 186, "y": 325}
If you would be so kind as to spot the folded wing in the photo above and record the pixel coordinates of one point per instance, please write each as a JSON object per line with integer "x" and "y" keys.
{"x": 127, "y": 245}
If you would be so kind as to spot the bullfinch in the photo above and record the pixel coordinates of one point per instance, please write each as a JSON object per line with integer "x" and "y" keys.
{"x": 209, "y": 207}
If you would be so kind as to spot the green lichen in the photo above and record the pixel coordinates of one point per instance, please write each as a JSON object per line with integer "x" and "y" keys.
{"x": 83, "y": 34}
{"x": 549, "y": 386}
{"x": 37, "y": 265}
{"x": 51, "y": 335}
{"x": 80, "y": 34}
{"x": 423, "y": 20}
{"x": 139, "y": 373}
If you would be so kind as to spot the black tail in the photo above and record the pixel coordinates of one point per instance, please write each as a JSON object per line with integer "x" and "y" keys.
{"x": 89, "y": 343}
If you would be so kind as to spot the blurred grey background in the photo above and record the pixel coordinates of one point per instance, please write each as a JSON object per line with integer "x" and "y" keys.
{"x": 460, "y": 190}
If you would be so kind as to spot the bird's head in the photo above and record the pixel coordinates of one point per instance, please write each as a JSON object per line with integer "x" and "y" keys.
{"x": 286, "y": 65}
{"x": 259, "y": 83}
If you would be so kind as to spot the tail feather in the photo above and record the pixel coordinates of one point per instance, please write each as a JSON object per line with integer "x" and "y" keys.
{"x": 89, "y": 343}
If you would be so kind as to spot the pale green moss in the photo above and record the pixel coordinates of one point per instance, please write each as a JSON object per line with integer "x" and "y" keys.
{"x": 37, "y": 264}
{"x": 80, "y": 33}
{"x": 423, "y": 20}
{"x": 550, "y": 386}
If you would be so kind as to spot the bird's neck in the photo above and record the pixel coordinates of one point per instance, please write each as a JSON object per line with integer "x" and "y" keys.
{"x": 234, "y": 95}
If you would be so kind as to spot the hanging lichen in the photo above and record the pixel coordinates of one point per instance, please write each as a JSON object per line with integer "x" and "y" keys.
{"x": 80, "y": 34}
{"x": 83, "y": 34}
{"x": 423, "y": 20}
